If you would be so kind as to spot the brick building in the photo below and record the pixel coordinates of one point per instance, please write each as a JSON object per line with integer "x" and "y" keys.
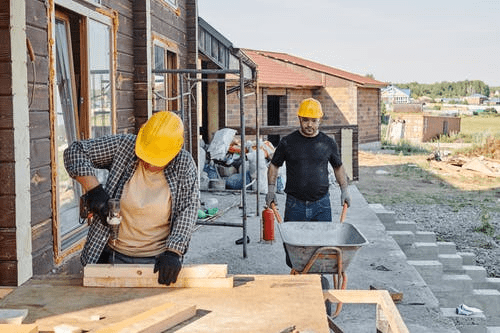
{"x": 285, "y": 80}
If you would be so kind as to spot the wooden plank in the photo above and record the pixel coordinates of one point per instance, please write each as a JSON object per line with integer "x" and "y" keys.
{"x": 380, "y": 297}
{"x": 24, "y": 328}
{"x": 155, "y": 320}
{"x": 146, "y": 270}
{"x": 139, "y": 276}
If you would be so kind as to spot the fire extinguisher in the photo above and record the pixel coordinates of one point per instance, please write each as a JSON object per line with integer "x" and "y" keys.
{"x": 268, "y": 215}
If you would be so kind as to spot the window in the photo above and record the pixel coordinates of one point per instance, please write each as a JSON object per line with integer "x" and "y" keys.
{"x": 173, "y": 3}
{"x": 165, "y": 86}
{"x": 83, "y": 108}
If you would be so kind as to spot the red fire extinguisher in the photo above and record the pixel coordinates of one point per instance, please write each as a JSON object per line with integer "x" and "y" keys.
{"x": 268, "y": 215}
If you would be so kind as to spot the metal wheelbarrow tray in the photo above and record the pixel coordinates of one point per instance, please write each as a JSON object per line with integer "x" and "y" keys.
{"x": 319, "y": 247}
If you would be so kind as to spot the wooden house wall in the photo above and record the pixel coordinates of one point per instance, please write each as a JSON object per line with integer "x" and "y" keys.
{"x": 8, "y": 255}
{"x": 131, "y": 105}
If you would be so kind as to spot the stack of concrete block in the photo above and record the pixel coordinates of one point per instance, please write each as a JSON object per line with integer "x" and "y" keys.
{"x": 451, "y": 275}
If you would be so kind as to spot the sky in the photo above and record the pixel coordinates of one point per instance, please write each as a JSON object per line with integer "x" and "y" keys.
{"x": 395, "y": 41}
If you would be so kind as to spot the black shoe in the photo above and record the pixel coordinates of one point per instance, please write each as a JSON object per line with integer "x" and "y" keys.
{"x": 240, "y": 241}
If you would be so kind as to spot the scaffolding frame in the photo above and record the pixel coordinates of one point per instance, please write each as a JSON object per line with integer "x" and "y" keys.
{"x": 193, "y": 76}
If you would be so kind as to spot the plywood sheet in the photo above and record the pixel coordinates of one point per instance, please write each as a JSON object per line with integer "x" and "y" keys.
{"x": 150, "y": 314}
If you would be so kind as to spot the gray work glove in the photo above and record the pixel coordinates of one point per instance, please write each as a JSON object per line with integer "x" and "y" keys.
{"x": 271, "y": 195}
{"x": 345, "y": 196}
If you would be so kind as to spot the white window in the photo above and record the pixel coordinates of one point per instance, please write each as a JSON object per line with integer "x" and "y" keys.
{"x": 173, "y": 3}
{"x": 83, "y": 108}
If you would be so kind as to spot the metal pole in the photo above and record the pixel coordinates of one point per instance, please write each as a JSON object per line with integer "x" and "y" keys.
{"x": 243, "y": 167}
{"x": 190, "y": 118}
{"x": 196, "y": 71}
{"x": 257, "y": 140}
{"x": 182, "y": 97}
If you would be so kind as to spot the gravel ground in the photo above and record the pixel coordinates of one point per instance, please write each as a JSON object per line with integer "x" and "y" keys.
{"x": 459, "y": 227}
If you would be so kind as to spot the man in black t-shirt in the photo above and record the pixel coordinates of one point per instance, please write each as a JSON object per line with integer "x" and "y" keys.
{"x": 307, "y": 153}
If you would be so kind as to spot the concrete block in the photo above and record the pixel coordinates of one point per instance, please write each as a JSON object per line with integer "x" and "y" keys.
{"x": 422, "y": 251}
{"x": 477, "y": 273}
{"x": 493, "y": 283}
{"x": 430, "y": 270}
{"x": 447, "y": 247}
{"x": 475, "y": 323}
{"x": 425, "y": 236}
{"x": 453, "y": 289}
{"x": 406, "y": 226}
{"x": 384, "y": 215}
{"x": 469, "y": 258}
{"x": 451, "y": 262}
{"x": 404, "y": 238}
{"x": 487, "y": 300}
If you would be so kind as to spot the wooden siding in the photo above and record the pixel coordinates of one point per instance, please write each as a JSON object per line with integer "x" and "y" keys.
{"x": 40, "y": 167}
{"x": 131, "y": 56}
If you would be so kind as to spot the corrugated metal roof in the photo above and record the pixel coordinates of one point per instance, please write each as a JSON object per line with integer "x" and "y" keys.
{"x": 271, "y": 71}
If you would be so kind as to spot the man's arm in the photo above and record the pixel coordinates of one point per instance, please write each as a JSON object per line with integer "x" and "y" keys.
{"x": 272, "y": 175}
{"x": 341, "y": 177}
{"x": 87, "y": 182}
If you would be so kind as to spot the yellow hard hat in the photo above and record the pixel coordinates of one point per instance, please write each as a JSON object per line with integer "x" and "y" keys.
{"x": 310, "y": 108}
{"x": 160, "y": 139}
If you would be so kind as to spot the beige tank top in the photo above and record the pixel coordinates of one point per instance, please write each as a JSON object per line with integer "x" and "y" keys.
{"x": 145, "y": 210}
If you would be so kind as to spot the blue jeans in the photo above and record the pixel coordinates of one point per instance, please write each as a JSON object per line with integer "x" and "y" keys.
{"x": 298, "y": 210}
{"x": 120, "y": 258}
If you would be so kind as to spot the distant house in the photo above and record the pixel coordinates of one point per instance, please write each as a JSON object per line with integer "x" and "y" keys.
{"x": 419, "y": 127}
{"x": 494, "y": 101}
{"x": 285, "y": 80}
{"x": 476, "y": 99}
{"x": 394, "y": 95}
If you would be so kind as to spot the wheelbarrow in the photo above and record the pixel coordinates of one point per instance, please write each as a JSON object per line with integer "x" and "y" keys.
{"x": 322, "y": 248}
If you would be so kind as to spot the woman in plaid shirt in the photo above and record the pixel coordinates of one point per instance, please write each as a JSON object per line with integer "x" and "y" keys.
{"x": 156, "y": 182}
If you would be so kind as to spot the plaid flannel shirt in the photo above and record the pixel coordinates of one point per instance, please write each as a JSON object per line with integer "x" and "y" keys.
{"x": 116, "y": 153}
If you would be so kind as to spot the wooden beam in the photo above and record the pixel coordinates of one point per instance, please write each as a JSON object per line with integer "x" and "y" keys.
{"x": 129, "y": 275}
{"x": 155, "y": 320}
{"x": 387, "y": 313}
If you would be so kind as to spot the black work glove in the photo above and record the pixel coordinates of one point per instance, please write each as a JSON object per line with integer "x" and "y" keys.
{"x": 271, "y": 195}
{"x": 169, "y": 265}
{"x": 97, "y": 201}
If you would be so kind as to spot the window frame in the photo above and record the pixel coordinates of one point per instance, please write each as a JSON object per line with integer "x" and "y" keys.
{"x": 72, "y": 241}
{"x": 171, "y": 81}
{"x": 172, "y": 3}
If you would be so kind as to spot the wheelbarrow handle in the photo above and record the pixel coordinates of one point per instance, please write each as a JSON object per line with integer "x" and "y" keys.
{"x": 276, "y": 213}
{"x": 344, "y": 212}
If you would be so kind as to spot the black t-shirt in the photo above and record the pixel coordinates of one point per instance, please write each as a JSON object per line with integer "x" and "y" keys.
{"x": 307, "y": 164}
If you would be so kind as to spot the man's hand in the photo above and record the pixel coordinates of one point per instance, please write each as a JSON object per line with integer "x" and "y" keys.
{"x": 169, "y": 265}
{"x": 345, "y": 196}
{"x": 97, "y": 201}
{"x": 271, "y": 195}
